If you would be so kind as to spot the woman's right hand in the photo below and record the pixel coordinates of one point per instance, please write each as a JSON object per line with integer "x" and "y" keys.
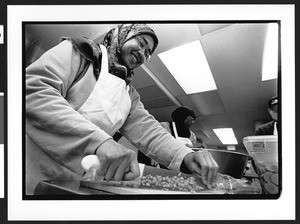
{"x": 117, "y": 162}
{"x": 203, "y": 164}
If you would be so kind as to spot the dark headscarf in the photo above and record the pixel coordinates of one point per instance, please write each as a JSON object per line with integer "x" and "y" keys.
{"x": 178, "y": 116}
{"x": 114, "y": 41}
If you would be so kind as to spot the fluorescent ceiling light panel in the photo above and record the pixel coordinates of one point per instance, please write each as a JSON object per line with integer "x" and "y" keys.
{"x": 226, "y": 136}
{"x": 228, "y": 141}
{"x": 270, "y": 55}
{"x": 189, "y": 67}
{"x": 231, "y": 147}
{"x": 224, "y": 132}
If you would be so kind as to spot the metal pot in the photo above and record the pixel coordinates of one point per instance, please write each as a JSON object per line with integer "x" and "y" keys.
{"x": 230, "y": 163}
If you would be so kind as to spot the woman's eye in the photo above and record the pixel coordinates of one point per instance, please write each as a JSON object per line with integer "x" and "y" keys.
{"x": 141, "y": 42}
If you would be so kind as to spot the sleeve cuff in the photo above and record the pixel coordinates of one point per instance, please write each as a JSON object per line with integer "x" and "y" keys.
{"x": 184, "y": 168}
{"x": 178, "y": 159}
{"x": 97, "y": 141}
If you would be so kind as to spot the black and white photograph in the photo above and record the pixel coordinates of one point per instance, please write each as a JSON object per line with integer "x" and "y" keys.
{"x": 143, "y": 111}
{"x": 196, "y": 98}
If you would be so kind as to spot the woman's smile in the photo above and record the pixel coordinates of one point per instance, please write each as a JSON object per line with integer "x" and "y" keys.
{"x": 135, "y": 57}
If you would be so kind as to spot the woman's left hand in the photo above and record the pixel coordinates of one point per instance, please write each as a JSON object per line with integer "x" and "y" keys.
{"x": 202, "y": 163}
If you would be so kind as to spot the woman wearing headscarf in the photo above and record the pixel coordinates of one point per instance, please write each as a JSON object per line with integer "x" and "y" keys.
{"x": 183, "y": 118}
{"x": 78, "y": 94}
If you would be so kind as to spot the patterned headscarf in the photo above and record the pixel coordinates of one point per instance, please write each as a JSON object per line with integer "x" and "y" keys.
{"x": 114, "y": 41}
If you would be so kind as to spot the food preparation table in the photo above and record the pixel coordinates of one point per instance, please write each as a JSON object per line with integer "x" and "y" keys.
{"x": 71, "y": 186}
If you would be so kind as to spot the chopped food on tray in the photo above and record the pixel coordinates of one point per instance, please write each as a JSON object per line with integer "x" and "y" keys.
{"x": 177, "y": 183}
{"x": 190, "y": 184}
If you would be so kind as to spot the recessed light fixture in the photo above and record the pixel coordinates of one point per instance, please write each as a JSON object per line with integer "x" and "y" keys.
{"x": 226, "y": 136}
{"x": 188, "y": 65}
{"x": 270, "y": 54}
{"x": 231, "y": 147}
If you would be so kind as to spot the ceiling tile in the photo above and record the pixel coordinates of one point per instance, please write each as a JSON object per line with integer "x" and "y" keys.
{"x": 203, "y": 102}
{"x": 241, "y": 98}
{"x": 209, "y": 28}
{"x": 185, "y": 100}
{"x": 150, "y": 92}
{"x": 157, "y": 103}
{"x": 235, "y": 54}
{"x": 174, "y": 35}
{"x": 141, "y": 78}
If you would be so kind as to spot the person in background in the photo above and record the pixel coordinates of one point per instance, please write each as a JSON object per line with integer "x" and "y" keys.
{"x": 78, "y": 95}
{"x": 182, "y": 119}
{"x": 270, "y": 128}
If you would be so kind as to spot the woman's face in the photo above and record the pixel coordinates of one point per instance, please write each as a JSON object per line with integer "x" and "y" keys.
{"x": 136, "y": 50}
{"x": 189, "y": 121}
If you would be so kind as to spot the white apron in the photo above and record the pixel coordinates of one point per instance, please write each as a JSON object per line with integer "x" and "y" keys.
{"x": 107, "y": 106}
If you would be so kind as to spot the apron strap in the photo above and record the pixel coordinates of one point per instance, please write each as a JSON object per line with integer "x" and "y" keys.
{"x": 275, "y": 132}
{"x": 175, "y": 130}
{"x": 104, "y": 62}
{"x": 171, "y": 128}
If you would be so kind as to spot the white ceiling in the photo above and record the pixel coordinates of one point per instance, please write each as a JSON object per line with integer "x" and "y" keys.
{"x": 234, "y": 53}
